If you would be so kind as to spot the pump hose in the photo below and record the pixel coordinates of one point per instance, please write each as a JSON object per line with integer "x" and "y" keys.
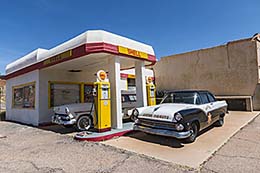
{"x": 95, "y": 113}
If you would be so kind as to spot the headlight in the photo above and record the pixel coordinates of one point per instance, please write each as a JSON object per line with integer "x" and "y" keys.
{"x": 179, "y": 127}
{"x": 135, "y": 114}
{"x": 67, "y": 118}
{"x": 67, "y": 110}
{"x": 70, "y": 115}
{"x": 178, "y": 117}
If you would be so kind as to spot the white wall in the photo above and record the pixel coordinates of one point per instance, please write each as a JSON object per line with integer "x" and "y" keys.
{"x": 27, "y": 116}
{"x": 46, "y": 76}
{"x": 123, "y": 84}
{"x": 147, "y": 72}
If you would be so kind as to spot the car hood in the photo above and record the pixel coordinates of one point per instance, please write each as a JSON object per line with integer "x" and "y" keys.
{"x": 73, "y": 108}
{"x": 163, "y": 112}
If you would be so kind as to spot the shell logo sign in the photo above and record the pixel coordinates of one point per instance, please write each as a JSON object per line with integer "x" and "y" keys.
{"x": 149, "y": 80}
{"x": 101, "y": 75}
{"x": 132, "y": 52}
{"x": 58, "y": 57}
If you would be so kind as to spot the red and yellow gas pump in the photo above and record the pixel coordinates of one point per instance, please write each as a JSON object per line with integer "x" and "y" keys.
{"x": 102, "y": 118}
{"x": 150, "y": 88}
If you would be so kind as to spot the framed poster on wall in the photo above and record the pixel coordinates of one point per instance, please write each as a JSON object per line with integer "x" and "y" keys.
{"x": 24, "y": 96}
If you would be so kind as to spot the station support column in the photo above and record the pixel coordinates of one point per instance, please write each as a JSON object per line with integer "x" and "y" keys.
{"x": 116, "y": 105}
{"x": 141, "y": 95}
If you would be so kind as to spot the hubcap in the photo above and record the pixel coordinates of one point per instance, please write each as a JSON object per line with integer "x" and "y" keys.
{"x": 84, "y": 123}
{"x": 221, "y": 121}
{"x": 193, "y": 131}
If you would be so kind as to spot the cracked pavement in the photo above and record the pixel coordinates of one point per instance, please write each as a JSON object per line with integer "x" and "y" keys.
{"x": 240, "y": 154}
{"x": 28, "y": 149}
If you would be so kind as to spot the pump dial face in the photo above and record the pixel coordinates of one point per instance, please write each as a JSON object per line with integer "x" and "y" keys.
{"x": 101, "y": 75}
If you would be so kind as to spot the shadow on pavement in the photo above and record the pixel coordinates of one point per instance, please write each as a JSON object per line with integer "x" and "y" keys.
{"x": 67, "y": 130}
{"x": 58, "y": 129}
{"x": 162, "y": 140}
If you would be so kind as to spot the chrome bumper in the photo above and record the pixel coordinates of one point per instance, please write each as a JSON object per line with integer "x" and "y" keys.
{"x": 57, "y": 120}
{"x": 163, "y": 132}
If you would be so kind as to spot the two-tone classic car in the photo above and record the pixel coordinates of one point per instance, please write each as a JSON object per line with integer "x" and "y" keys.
{"x": 181, "y": 114}
{"x": 80, "y": 115}
{"x": 128, "y": 99}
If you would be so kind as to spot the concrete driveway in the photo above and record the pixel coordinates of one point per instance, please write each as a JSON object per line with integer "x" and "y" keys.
{"x": 191, "y": 155}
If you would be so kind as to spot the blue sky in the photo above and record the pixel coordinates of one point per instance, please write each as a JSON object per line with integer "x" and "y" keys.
{"x": 170, "y": 26}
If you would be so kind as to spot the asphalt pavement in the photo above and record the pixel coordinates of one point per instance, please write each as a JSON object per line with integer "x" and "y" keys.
{"x": 28, "y": 149}
{"x": 240, "y": 154}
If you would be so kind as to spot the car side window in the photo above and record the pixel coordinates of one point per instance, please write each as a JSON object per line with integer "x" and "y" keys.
{"x": 197, "y": 99}
{"x": 204, "y": 98}
{"x": 132, "y": 98}
{"x": 211, "y": 98}
{"x": 123, "y": 99}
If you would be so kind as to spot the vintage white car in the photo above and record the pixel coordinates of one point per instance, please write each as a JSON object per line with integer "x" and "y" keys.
{"x": 181, "y": 114}
{"x": 79, "y": 115}
{"x": 128, "y": 99}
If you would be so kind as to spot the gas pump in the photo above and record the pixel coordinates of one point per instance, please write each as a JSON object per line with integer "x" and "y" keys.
{"x": 150, "y": 88}
{"x": 102, "y": 118}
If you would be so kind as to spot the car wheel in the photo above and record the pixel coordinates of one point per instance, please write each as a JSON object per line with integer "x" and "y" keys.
{"x": 83, "y": 123}
{"x": 194, "y": 128}
{"x": 220, "y": 122}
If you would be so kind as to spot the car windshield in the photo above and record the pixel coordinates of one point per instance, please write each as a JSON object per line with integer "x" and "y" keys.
{"x": 128, "y": 98}
{"x": 179, "y": 97}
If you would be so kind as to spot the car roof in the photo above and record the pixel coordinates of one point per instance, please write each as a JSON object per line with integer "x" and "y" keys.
{"x": 187, "y": 91}
{"x": 128, "y": 92}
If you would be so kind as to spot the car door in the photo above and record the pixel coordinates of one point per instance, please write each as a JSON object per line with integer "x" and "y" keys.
{"x": 214, "y": 111}
{"x": 207, "y": 107}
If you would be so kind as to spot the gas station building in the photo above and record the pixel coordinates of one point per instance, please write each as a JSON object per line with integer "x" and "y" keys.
{"x": 64, "y": 74}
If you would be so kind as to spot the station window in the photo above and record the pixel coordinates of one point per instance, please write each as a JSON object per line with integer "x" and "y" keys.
{"x": 64, "y": 93}
{"x": 131, "y": 83}
{"x": 24, "y": 96}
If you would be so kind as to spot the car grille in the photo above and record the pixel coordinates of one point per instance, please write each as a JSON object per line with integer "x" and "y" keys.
{"x": 63, "y": 117}
{"x": 157, "y": 124}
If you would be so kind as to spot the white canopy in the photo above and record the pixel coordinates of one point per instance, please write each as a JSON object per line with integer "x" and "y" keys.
{"x": 93, "y": 36}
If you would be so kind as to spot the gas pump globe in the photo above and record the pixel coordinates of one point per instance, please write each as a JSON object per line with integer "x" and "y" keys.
{"x": 150, "y": 88}
{"x": 102, "y": 118}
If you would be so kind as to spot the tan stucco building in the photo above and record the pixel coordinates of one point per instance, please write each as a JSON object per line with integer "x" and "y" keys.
{"x": 229, "y": 71}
